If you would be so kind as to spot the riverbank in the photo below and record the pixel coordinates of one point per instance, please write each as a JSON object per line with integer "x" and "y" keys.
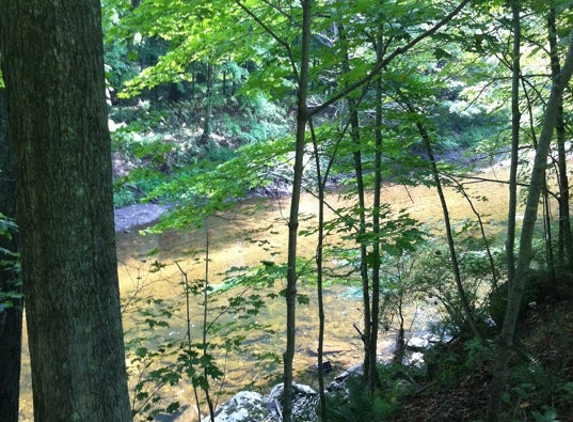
{"x": 137, "y": 215}
{"x": 457, "y": 386}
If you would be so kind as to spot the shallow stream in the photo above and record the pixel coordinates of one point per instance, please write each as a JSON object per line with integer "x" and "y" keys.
{"x": 247, "y": 238}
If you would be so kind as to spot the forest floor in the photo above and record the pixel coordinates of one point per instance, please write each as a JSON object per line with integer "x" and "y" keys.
{"x": 459, "y": 391}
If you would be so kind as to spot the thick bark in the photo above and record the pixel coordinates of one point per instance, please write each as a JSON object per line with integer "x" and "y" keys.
{"x": 52, "y": 56}
{"x": 10, "y": 318}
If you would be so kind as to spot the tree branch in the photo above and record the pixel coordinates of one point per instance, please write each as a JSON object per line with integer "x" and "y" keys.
{"x": 381, "y": 64}
{"x": 273, "y": 34}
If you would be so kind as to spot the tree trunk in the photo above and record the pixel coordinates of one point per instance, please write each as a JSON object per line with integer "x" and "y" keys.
{"x": 516, "y": 289}
{"x": 361, "y": 235}
{"x": 321, "y": 184}
{"x": 449, "y": 233}
{"x": 376, "y": 263}
{"x": 515, "y": 130}
{"x": 368, "y": 364}
{"x": 11, "y": 317}
{"x": 498, "y": 380}
{"x": 292, "y": 276}
{"x": 565, "y": 237}
{"x": 52, "y": 56}
{"x": 206, "y": 135}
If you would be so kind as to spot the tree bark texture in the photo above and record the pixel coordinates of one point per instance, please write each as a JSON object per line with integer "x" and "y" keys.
{"x": 10, "y": 318}
{"x": 52, "y": 58}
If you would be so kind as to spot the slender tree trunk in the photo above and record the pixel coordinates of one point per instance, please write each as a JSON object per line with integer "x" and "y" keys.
{"x": 360, "y": 189}
{"x": 401, "y": 338}
{"x": 498, "y": 380}
{"x": 52, "y": 58}
{"x": 376, "y": 262}
{"x": 319, "y": 269}
{"x": 366, "y": 302}
{"x": 565, "y": 236}
{"x": 515, "y": 128}
{"x": 204, "y": 139}
{"x": 11, "y": 317}
{"x": 293, "y": 223}
{"x": 494, "y": 272}
{"x": 525, "y": 256}
{"x": 449, "y": 234}
{"x": 205, "y": 344}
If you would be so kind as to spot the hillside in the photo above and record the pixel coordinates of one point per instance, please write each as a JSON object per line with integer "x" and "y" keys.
{"x": 539, "y": 390}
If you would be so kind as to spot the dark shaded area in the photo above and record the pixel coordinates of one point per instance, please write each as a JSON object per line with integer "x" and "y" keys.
{"x": 11, "y": 317}
{"x": 457, "y": 387}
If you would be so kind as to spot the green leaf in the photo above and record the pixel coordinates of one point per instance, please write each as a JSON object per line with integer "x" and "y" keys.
{"x": 172, "y": 407}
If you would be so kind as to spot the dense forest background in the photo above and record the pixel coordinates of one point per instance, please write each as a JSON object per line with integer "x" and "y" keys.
{"x": 219, "y": 109}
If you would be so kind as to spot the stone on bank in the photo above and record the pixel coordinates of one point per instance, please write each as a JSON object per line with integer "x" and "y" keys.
{"x": 248, "y": 406}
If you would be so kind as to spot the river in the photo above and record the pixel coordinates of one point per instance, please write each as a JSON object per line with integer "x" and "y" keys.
{"x": 246, "y": 237}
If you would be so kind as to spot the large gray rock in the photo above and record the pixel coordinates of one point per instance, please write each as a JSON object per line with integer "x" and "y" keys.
{"x": 247, "y": 406}
{"x": 304, "y": 403}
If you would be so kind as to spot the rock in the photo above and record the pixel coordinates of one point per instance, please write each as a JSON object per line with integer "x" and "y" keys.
{"x": 415, "y": 360}
{"x": 304, "y": 403}
{"x": 137, "y": 215}
{"x": 338, "y": 388}
{"x": 417, "y": 344}
{"x": 326, "y": 367}
{"x": 245, "y": 406}
{"x": 353, "y": 371}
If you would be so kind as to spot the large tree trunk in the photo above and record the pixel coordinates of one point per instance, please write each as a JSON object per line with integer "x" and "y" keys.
{"x": 52, "y": 57}
{"x": 11, "y": 317}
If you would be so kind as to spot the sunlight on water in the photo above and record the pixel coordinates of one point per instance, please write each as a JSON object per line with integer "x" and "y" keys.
{"x": 237, "y": 240}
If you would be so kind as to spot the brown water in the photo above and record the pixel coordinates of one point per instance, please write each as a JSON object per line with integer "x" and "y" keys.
{"x": 228, "y": 246}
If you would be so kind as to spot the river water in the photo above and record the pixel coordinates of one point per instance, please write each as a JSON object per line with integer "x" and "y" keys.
{"x": 247, "y": 237}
